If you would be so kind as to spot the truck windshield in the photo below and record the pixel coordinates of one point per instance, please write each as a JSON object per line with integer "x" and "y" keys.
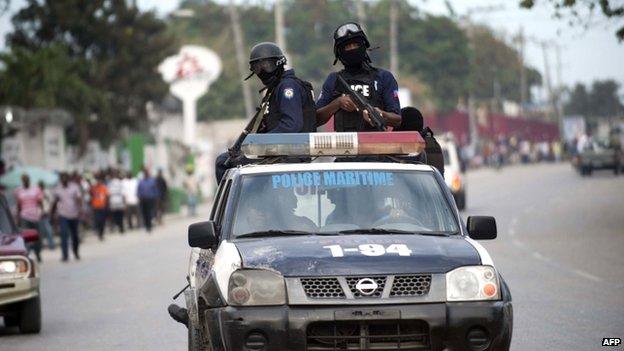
{"x": 338, "y": 201}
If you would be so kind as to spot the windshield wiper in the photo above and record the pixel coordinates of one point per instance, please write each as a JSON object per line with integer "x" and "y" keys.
{"x": 265, "y": 233}
{"x": 392, "y": 231}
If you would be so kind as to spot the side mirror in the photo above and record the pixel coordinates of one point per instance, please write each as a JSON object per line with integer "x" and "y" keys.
{"x": 30, "y": 235}
{"x": 482, "y": 227}
{"x": 202, "y": 235}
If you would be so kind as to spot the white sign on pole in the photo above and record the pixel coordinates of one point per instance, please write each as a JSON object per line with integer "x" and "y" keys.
{"x": 189, "y": 75}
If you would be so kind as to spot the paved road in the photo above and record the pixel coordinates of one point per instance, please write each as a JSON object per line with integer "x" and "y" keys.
{"x": 560, "y": 248}
{"x": 115, "y": 298}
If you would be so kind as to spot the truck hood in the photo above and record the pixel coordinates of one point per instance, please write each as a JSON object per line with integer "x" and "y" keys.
{"x": 12, "y": 244}
{"x": 309, "y": 256}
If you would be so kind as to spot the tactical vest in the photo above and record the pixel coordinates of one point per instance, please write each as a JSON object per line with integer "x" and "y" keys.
{"x": 363, "y": 82}
{"x": 308, "y": 107}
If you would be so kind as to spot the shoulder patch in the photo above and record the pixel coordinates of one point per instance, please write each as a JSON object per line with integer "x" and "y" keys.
{"x": 289, "y": 93}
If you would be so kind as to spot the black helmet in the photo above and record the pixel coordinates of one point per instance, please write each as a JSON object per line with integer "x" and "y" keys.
{"x": 265, "y": 50}
{"x": 267, "y": 61}
{"x": 346, "y": 32}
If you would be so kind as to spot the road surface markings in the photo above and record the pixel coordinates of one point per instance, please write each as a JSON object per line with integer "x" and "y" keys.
{"x": 541, "y": 257}
{"x": 516, "y": 242}
{"x": 587, "y": 275}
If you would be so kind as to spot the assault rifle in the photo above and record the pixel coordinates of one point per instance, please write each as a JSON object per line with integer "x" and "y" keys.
{"x": 234, "y": 152}
{"x": 378, "y": 122}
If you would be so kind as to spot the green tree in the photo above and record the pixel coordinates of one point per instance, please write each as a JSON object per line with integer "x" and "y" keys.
{"x": 603, "y": 99}
{"x": 575, "y": 11}
{"x": 496, "y": 64}
{"x": 117, "y": 46}
{"x": 44, "y": 78}
{"x": 578, "y": 103}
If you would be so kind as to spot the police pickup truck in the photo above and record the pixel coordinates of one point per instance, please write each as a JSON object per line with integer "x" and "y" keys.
{"x": 342, "y": 255}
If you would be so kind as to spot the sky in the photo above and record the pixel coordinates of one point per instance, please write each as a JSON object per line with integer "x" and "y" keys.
{"x": 586, "y": 55}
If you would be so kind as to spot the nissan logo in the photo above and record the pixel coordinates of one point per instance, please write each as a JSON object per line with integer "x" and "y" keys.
{"x": 366, "y": 286}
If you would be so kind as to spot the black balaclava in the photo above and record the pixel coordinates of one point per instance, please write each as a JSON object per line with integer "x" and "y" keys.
{"x": 270, "y": 78}
{"x": 411, "y": 120}
{"x": 355, "y": 58}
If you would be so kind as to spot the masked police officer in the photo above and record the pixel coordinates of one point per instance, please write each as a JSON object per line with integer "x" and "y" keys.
{"x": 412, "y": 120}
{"x": 290, "y": 102}
{"x": 291, "y": 106}
{"x": 376, "y": 85}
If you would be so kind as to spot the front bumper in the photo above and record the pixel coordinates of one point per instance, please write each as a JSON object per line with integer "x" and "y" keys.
{"x": 16, "y": 290}
{"x": 435, "y": 326}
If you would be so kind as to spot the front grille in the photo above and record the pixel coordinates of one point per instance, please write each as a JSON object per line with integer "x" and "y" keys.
{"x": 322, "y": 288}
{"x": 410, "y": 285}
{"x": 353, "y": 281}
{"x": 368, "y": 335}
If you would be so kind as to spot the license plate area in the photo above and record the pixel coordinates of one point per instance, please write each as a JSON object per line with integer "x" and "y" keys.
{"x": 366, "y": 314}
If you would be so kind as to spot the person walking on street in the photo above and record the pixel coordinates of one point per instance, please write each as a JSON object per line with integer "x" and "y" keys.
{"x": 99, "y": 202}
{"x": 148, "y": 195}
{"x": 130, "y": 185}
{"x": 162, "y": 196}
{"x": 192, "y": 191}
{"x": 45, "y": 226}
{"x": 116, "y": 201}
{"x": 29, "y": 210}
{"x": 68, "y": 201}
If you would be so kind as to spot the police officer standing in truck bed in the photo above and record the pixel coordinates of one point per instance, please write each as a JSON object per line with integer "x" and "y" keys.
{"x": 290, "y": 101}
{"x": 376, "y": 85}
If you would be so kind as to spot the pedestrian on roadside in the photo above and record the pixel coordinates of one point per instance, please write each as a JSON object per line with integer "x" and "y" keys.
{"x": 162, "y": 196}
{"x": 192, "y": 191}
{"x": 29, "y": 210}
{"x": 68, "y": 201}
{"x": 147, "y": 192}
{"x": 99, "y": 203}
{"x": 130, "y": 185}
{"x": 45, "y": 226}
{"x": 116, "y": 201}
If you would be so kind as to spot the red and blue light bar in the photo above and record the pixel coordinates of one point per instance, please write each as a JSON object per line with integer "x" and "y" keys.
{"x": 333, "y": 144}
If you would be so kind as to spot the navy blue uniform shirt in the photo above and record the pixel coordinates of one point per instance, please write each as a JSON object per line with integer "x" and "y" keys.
{"x": 289, "y": 99}
{"x": 385, "y": 85}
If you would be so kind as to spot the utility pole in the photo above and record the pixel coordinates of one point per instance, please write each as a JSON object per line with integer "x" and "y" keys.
{"x": 240, "y": 56}
{"x": 523, "y": 79}
{"x": 280, "y": 37}
{"x": 394, "y": 46}
{"x": 549, "y": 88}
{"x": 361, "y": 13}
{"x": 559, "y": 91}
{"x": 472, "y": 111}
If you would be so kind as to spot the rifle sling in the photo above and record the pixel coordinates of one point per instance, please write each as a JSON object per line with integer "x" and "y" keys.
{"x": 261, "y": 112}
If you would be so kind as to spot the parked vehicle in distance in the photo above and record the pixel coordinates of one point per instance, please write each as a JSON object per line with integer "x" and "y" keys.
{"x": 20, "y": 301}
{"x": 454, "y": 171}
{"x": 599, "y": 155}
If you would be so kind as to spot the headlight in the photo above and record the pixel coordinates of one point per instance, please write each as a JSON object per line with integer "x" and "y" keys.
{"x": 256, "y": 288}
{"x": 15, "y": 268}
{"x": 472, "y": 283}
{"x": 456, "y": 182}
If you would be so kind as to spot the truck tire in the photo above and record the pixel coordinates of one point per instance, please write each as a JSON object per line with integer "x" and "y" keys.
{"x": 29, "y": 320}
{"x": 11, "y": 321}
{"x": 196, "y": 339}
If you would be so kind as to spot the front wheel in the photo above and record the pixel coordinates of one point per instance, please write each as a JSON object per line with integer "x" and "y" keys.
{"x": 29, "y": 320}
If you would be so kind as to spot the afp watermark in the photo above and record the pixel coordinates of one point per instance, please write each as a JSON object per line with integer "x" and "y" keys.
{"x": 611, "y": 341}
